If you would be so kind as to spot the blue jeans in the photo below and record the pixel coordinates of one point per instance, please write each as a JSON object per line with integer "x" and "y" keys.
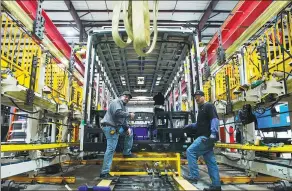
{"x": 203, "y": 146}
{"x": 112, "y": 141}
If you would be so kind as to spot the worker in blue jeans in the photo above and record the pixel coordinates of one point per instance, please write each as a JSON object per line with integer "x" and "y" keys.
{"x": 113, "y": 125}
{"x": 207, "y": 134}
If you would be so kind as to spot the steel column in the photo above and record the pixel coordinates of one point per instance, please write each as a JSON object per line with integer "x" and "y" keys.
{"x": 76, "y": 18}
{"x": 207, "y": 14}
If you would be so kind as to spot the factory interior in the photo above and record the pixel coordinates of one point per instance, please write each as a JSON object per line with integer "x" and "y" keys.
{"x": 63, "y": 63}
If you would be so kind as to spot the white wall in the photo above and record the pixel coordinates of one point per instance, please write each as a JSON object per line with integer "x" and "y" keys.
{"x": 140, "y": 108}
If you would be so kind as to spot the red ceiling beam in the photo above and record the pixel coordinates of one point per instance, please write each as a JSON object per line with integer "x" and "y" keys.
{"x": 243, "y": 15}
{"x": 30, "y": 7}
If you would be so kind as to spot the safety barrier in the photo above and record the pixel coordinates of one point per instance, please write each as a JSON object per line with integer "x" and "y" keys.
{"x": 57, "y": 80}
{"x": 18, "y": 50}
{"x": 267, "y": 52}
{"x": 270, "y": 52}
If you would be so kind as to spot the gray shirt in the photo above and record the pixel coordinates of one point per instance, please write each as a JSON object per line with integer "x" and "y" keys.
{"x": 116, "y": 114}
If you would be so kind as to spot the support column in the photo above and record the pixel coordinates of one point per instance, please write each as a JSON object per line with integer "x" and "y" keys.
{"x": 102, "y": 96}
{"x": 32, "y": 127}
{"x": 53, "y": 132}
{"x": 65, "y": 131}
{"x": 97, "y": 91}
{"x": 0, "y": 51}
{"x": 85, "y": 91}
{"x": 173, "y": 98}
{"x": 180, "y": 95}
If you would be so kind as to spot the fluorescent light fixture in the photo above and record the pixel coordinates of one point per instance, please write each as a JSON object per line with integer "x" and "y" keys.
{"x": 141, "y": 98}
{"x": 141, "y": 90}
{"x": 140, "y": 80}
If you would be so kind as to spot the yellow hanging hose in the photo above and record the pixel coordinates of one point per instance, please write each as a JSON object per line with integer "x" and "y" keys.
{"x": 137, "y": 24}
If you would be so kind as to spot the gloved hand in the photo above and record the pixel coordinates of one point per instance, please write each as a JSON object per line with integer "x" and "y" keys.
{"x": 213, "y": 137}
{"x": 187, "y": 126}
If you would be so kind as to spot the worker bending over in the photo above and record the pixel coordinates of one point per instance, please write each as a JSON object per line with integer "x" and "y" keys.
{"x": 115, "y": 123}
{"x": 207, "y": 134}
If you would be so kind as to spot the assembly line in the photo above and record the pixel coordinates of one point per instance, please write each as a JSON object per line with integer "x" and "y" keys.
{"x": 158, "y": 95}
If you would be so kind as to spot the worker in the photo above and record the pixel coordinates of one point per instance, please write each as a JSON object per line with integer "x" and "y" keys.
{"x": 207, "y": 134}
{"x": 115, "y": 123}
{"x": 158, "y": 102}
{"x": 158, "y": 105}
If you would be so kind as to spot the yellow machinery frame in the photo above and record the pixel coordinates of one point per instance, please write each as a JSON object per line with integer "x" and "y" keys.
{"x": 30, "y": 147}
{"x": 280, "y": 149}
{"x": 162, "y": 161}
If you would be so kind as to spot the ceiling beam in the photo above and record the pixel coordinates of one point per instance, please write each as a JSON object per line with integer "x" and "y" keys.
{"x": 160, "y": 11}
{"x": 86, "y": 22}
{"x": 76, "y": 18}
{"x": 207, "y": 14}
{"x": 110, "y": 24}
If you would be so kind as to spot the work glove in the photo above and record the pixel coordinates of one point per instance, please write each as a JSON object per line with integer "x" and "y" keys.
{"x": 187, "y": 126}
{"x": 213, "y": 137}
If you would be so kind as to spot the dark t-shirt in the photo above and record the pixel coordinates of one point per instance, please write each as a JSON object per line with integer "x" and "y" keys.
{"x": 206, "y": 113}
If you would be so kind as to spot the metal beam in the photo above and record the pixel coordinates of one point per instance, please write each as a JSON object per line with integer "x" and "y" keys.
{"x": 160, "y": 11}
{"x": 85, "y": 22}
{"x": 30, "y": 147}
{"x": 107, "y": 69}
{"x": 109, "y": 24}
{"x": 280, "y": 149}
{"x": 239, "y": 23}
{"x": 117, "y": 75}
{"x": 207, "y": 14}
{"x": 76, "y": 18}
{"x": 44, "y": 179}
{"x": 158, "y": 61}
{"x": 122, "y": 52}
{"x": 174, "y": 71}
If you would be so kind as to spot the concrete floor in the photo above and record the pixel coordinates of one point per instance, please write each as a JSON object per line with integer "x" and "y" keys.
{"x": 89, "y": 174}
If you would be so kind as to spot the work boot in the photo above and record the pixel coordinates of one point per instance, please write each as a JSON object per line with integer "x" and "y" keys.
{"x": 106, "y": 176}
{"x": 130, "y": 156}
{"x": 190, "y": 179}
{"x": 213, "y": 188}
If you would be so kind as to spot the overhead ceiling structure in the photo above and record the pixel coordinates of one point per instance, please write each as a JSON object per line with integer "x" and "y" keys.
{"x": 141, "y": 75}
{"x": 74, "y": 18}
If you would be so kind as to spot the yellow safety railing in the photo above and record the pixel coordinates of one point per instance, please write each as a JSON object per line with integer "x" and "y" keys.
{"x": 17, "y": 51}
{"x": 277, "y": 37}
{"x": 232, "y": 71}
{"x": 56, "y": 79}
{"x": 77, "y": 95}
{"x": 220, "y": 85}
{"x": 207, "y": 90}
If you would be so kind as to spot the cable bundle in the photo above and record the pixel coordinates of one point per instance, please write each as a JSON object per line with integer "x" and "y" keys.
{"x": 137, "y": 24}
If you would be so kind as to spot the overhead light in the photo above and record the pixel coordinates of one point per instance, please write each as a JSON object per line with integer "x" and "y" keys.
{"x": 141, "y": 98}
{"x": 140, "y": 80}
{"x": 141, "y": 90}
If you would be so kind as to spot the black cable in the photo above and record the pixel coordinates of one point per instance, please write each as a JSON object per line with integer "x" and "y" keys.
{"x": 35, "y": 118}
{"x": 30, "y": 112}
